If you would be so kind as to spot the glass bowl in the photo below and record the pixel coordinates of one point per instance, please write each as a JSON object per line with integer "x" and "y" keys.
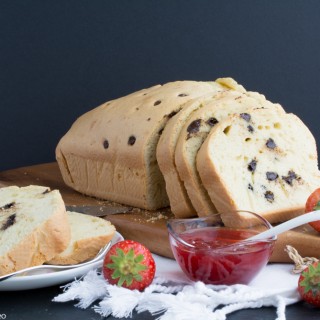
{"x": 209, "y": 251}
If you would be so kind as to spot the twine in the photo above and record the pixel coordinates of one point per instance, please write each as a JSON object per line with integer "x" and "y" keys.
{"x": 300, "y": 263}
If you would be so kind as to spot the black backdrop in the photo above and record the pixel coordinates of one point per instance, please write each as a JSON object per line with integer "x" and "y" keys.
{"x": 59, "y": 59}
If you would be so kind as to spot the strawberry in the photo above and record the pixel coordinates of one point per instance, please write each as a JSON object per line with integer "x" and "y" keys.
{"x": 129, "y": 264}
{"x": 312, "y": 204}
{"x": 309, "y": 284}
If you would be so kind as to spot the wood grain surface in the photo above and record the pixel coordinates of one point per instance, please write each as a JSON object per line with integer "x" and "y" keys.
{"x": 147, "y": 227}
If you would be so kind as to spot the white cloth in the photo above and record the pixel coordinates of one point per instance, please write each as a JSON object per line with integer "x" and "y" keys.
{"x": 173, "y": 296}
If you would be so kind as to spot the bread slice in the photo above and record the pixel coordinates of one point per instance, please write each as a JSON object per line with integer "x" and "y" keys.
{"x": 195, "y": 131}
{"x": 88, "y": 235}
{"x": 261, "y": 161}
{"x": 33, "y": 226}
{"x": 179, "y": 201}
{"x": 110, "y": 152}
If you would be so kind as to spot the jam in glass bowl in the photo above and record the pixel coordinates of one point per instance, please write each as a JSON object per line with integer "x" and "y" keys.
{"x": 209, "y": 251}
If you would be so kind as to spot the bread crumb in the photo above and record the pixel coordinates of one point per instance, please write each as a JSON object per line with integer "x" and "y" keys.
{"x": 156, "y": 218}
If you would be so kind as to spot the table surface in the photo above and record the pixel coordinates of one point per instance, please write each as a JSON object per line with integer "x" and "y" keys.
{"x": 33, "y": 304}
{"x": 37, "y": 304}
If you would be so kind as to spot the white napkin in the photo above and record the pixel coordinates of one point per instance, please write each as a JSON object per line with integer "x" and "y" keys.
{"x": 173, "y": 296}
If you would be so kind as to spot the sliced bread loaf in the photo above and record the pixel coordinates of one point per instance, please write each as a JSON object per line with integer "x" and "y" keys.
{"x": 179, "y": 200}
{"x": 33, "y": 227}
{"x": 110, "y": 152}
{"x": 261, "y": 162}
{"x": 195, "y": 131}
{"x": 88, "y": 235}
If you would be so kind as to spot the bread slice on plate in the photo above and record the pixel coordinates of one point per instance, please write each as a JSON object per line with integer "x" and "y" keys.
{"x": 33, "y": 226}
{"x": 110, "y": 152}
{"x": 261, "y": 161}
{"x": 88, "y": 235}
{"x": 196, "y": 130}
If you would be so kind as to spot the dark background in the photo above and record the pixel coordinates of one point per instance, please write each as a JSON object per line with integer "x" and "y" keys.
{"x": 59, "y": 59}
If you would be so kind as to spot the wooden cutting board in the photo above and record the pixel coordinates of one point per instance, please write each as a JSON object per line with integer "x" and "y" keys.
{"x": 147, "y": 227}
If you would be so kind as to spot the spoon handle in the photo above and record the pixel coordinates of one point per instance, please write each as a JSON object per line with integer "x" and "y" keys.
{"x": 288, "y": 225}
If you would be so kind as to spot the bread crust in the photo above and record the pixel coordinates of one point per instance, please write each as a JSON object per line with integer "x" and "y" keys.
{"x": 180, "y": 203}
{"x": 188, "y": 143}
{"x": 43, "y": 243}
{"x": 110, "y": 152}
{"x": 85, "y": 241}
{"x": 233, "y": 192}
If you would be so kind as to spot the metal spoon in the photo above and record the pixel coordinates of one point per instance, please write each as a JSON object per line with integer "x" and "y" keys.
{"x": 53, "y": 267}
{"x": 288, "y": 225}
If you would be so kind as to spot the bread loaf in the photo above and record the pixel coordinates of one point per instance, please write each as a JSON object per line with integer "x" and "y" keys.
{"x": 195, "y": 131}
{"x": 259, "y": 161}
{"x": 179, "y": 200}
{"x": 88, "y": 235}
{"x": 142, "y": 149}
{"x": 110, "y": 152}
{"x": 33, "y": 227}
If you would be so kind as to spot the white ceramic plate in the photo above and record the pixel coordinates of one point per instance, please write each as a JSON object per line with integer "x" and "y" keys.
{"x": 50, "y": 278}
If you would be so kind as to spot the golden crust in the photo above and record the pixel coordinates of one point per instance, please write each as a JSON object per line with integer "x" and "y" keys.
{"x": 44, "y": 242}
{"x": 110, "y": 152}
{"x": 88, "y": 235}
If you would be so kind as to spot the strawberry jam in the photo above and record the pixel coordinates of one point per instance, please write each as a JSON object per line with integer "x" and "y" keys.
{"x": 213, "y": 255}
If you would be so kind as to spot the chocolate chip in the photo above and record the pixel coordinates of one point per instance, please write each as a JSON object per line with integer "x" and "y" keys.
{"x": 182, "y": 95}
{"x": 106, "y": 144}
{"x": 245, "y": 116}
{"x": 160, "y": 131}
{"x": 271, "y": 176}
{"x": 194, "y": 126}
{"x": 172, "y": 114}
{"x": 271, "y": 144}
{"x": 252, "y": 165}
{"x": 290, "y": 177}
{"x": 212, "y": 122}
{"x": 250, "y": 128}
{"x": 250, "y": 187}
{"x": 269, "y": 196}
{"x": 148, "y": 119}
{"x": 226, "y": 130}
{"x": 157, "y": 103}
{"x": 9, "y": 222}
{"x": 131, "y": 140}
{"x": 46, "y": 191}
{"x": 8, "y": 206}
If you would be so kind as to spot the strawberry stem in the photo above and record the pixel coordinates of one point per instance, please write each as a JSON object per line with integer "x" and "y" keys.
{"x": 311, "y": 281}
{"x": 127, "y": 267}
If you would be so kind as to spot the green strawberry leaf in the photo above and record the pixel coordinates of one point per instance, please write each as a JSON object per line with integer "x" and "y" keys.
{"x": 127, "y": 266}
{"x": 116, "y": 274}
{"x": 139, "y": 258}
{"x": 138, "y": 277}
{"x": 317, "y": 206}
{"x": 311, "y": 279}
